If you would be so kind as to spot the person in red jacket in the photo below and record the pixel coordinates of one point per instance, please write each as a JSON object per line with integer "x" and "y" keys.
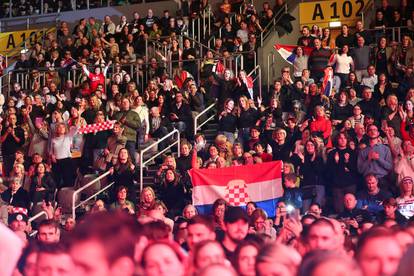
{"x": 407, "y": 131}
{"x": 322, "y": 125}
{"x": 97, "y": 77}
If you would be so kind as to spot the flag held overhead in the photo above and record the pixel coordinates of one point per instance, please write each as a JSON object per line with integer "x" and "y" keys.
{"x": 260, "y": 183}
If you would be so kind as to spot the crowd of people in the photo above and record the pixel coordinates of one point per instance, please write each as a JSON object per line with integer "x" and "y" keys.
{"x": 348, "y": 155}
{"x": 34, "y": 7}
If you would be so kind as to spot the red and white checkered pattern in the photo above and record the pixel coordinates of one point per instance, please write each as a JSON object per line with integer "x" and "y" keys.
{"x": 19, "y": 210}
{"x": 96, "y": 127}
{"x": 236, "y": 193}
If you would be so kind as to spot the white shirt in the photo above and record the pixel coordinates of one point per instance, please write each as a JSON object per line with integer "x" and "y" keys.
{"x": 370, "y": 81}
{"x": 343, "y": 64}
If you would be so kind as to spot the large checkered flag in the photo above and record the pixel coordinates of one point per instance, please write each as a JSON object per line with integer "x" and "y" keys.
{"x": 236, "y": 193}
{"x": 93, "y": 128}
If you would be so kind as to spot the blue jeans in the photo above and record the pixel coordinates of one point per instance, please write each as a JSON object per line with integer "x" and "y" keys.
{"x": 130, "y": 146}
{"x": 319, "y": 198}
{"x": 180, "y": 126}
{"x": 229, "y": 135}
{"x": 243, "y": 135}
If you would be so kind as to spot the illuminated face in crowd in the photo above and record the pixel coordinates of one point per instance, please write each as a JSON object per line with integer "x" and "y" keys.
{"x": 211, "y": 253}
{"x": 161, "y": 260}
{"x": 321, "y": 236}
{"x": 384, "y": 262}
{"x": 247, "y": 260}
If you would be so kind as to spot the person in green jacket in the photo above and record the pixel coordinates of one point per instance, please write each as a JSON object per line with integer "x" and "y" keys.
{"x": 131, "y": 123}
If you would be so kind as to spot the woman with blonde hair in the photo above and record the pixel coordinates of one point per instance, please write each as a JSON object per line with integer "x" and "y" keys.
{"x": 224, "y": 147}
{"x": 147, "y": 200}
{"x": 61, "y": 156}
{"x": 247, "y": 118}
{"x": 189, "y": 211}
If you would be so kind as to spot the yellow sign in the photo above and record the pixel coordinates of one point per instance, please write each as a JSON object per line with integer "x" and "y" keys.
{"x": 323, "y": 12}
{"x": 14, "y": 40}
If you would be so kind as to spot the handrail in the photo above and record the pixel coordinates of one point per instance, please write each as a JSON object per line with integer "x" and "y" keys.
{"x": 367, "y": 7}
{"x": 204, "y": 12}
{"x": 196, "y": 126}
{"x": 241, "y": 64}
{"x": 142, "y": 163}
{"x": 271, "y": 24}
{"x": 270, "y": 65}
{"x": 38, "y": 215}
{"x": 75, "y": 193}
{"x": 259, "y": 77}
{"x": 392, "y": 29}
{"x": 209, "y": 41}
{"x": 27, "y": 19}
{"x": 201, "y": 45}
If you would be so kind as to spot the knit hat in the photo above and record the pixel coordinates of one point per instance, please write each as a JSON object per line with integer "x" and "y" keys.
{"x": 19, "y": 214}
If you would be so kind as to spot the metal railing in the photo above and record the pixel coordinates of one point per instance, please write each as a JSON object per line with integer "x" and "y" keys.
{"x": 78, "y": 191}
{"x": 258, "y": 78}
{"x": 200, "y": 27}
{"x": 73, "y": 6}
{"x": 369, "y": 8}
{"x": 29, "y": 21}
{"x": 197, "y": 126}
{"x": 271, "y": 25}
{"x": 206, "y": 13}
{"x": 38, "y": 215}
{"x": 213, "y": 38}
{"x": 143, "y": 163}
{"x": 270, "y": 68}
{"x": 391, "y": 33}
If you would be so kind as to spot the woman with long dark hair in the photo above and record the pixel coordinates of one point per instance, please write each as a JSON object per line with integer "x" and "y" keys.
{"x": 326, "y": 40}
{"x": 228, "y": 120}
{"x": 123, "y": 173}
{"x": 300, "y": 63}
{"x": 172, "y": 192}
{"x": 42, "y": 187}
{"x": 381, "y": 56}
{"x": 382, "y": 89}
{"x": 312, "y": 168}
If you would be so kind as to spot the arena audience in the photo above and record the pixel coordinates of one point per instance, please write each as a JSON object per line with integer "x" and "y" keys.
{"x": 347, "y": 155}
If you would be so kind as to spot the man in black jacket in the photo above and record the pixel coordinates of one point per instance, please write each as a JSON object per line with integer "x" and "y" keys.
{"x": 180, "y": 115}
{"x": 370, "y": 105}
{"x": 342, "y": 166}
{"x": 12, "y": 138}
{"x": 353, "y": 216}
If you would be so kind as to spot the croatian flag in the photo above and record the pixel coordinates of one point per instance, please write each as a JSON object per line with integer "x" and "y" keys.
{"x": 288, "y": 51}
{"x": 260, "y": 183}
{"x": 327, "y": 82}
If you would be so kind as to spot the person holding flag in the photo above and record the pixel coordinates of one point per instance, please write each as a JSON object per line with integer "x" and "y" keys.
{"x": 327, "y": 82}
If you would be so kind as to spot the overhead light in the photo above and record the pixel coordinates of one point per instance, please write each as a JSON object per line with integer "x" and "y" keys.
{"x": 335, "y": 24}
